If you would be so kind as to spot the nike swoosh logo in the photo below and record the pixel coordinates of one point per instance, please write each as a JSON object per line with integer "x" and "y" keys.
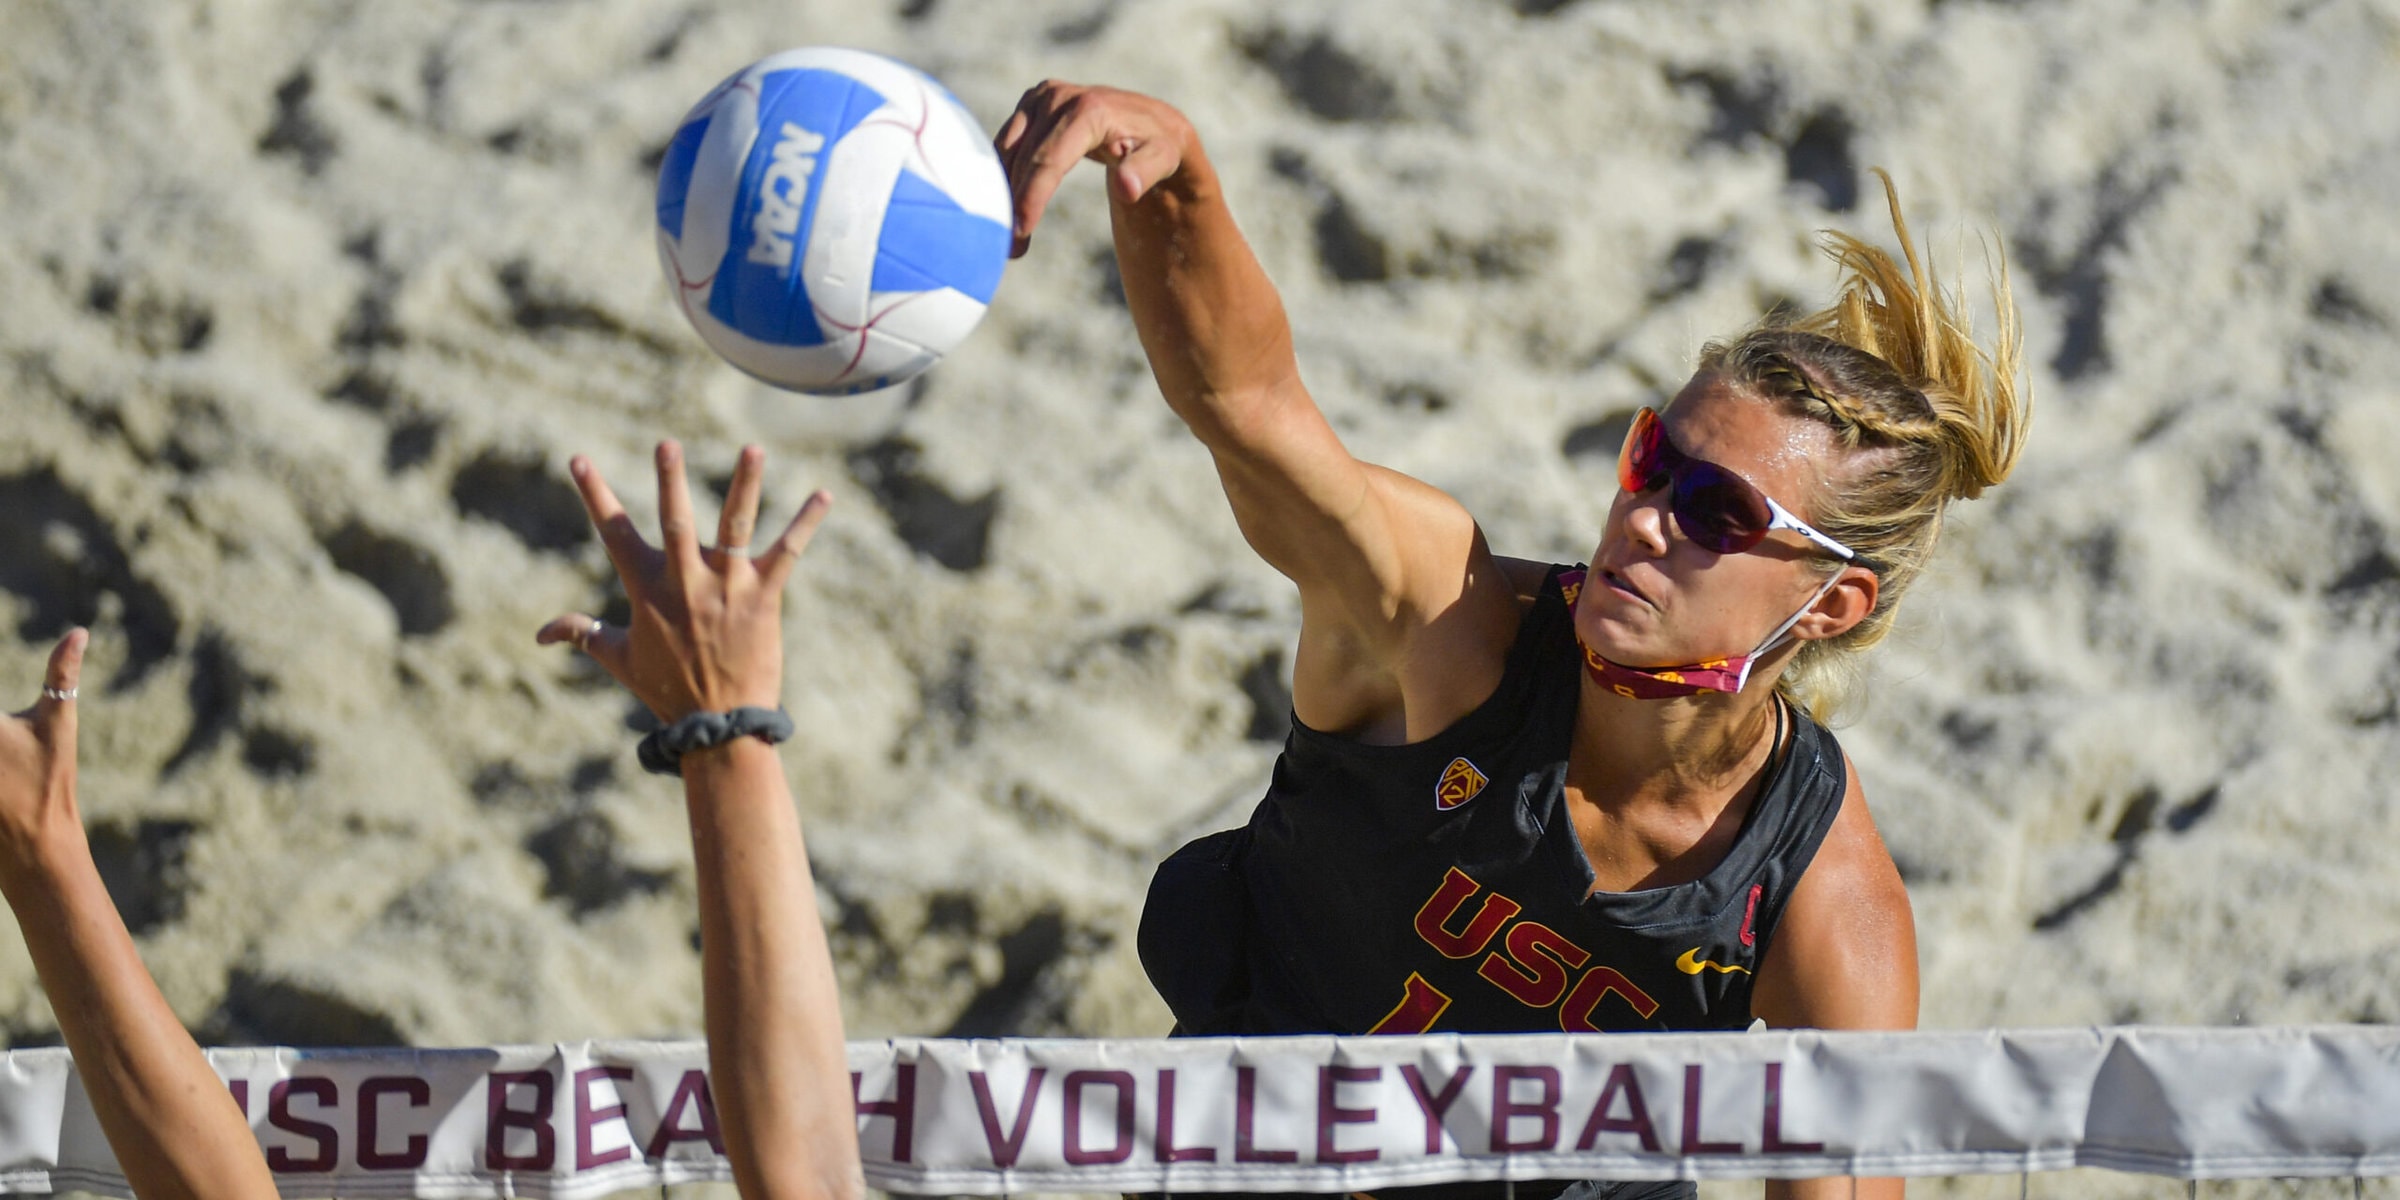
{"x": 1691, "y": 963}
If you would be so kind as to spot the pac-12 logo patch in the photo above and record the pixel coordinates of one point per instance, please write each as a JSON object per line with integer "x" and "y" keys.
{"x": 1460, "y": 783}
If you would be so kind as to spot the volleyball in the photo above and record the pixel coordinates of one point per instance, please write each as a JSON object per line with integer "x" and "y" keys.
{"x": 832, "y": 221}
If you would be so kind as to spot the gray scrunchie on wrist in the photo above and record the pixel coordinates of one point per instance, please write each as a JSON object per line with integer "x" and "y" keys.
{"x": 662, "y": 750}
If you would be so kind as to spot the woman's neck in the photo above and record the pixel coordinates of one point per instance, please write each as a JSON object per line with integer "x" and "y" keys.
{"x": 1692, "y": 754}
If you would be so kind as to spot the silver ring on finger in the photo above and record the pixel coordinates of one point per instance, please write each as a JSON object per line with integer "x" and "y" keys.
{"x": 61, "y": 695}
{"x": 583, "y": 638}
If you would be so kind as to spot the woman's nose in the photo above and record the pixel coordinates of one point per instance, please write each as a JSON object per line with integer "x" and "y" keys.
{"x": 1646, "y": 521}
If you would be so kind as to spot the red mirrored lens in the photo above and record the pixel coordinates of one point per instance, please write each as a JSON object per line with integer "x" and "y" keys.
{"x": 1640, "y": 463}
{"x": 1716, "y": 508}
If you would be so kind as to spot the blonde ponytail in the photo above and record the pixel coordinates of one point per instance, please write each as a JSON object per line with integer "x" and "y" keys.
{"x": 1893, "y": 368}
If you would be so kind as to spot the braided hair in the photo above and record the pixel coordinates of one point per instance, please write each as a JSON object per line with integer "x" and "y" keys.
{"x": 1925, "y": 414}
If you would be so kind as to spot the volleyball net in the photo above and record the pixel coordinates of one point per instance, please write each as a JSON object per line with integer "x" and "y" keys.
{"x": 1305, "y": 1114}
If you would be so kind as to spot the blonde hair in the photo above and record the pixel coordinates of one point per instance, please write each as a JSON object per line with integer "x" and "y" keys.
{"x": 1927, "y": 416}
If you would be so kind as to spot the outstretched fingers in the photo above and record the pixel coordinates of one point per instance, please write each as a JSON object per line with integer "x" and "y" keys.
{"x": 626, "y": 549}
{"x": 62, "y": 678}
{"x": 676, "y": 531}
{"x": 588, "y": 634}
{"x": 54, "y": 716}
{"x": 739, "y": 518}
{"x": 775, "y": 566}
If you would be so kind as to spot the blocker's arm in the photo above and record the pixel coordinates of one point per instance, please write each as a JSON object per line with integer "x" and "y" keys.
{"x": 775, "y": 1050}
{"x": 168, "y": 1117}
{"x": 707, "y": 636}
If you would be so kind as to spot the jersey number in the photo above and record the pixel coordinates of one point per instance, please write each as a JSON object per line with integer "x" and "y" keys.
{"x": 1421, "y": 1004}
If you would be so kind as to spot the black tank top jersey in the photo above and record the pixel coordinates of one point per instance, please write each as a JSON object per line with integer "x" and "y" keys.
{"x": 1439, "y": 886}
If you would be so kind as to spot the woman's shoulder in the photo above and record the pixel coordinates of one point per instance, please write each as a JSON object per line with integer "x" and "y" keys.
{"x": 1845, "y": 953}
{"x": 1525, "y": 577}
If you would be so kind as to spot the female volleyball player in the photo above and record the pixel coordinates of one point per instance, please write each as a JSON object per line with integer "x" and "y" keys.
{"x": 1520, "y": 796}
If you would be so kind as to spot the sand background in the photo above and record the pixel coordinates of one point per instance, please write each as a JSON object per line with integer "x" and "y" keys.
{"x": 304, "y": 305}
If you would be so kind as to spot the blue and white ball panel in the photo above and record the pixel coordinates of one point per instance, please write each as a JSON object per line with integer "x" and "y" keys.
{"x": 951, "y": 133}
{"x": 797, "y": 244}
{"x": 840, "y": 286}
{"x": 695, "y": 210}
{"x": 675, "y": 169}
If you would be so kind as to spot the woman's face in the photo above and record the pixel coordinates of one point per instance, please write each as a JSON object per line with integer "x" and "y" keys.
{"x": 1654, "y": 599}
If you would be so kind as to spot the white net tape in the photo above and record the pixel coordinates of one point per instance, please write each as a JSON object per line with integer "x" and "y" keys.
{"x": 1302, "y": 1114}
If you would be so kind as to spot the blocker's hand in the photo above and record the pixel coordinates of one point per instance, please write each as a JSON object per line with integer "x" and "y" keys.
{"x": 707, "y": 631}
{"x": 1143, "y": 141}
{"x": 37, "y": 759}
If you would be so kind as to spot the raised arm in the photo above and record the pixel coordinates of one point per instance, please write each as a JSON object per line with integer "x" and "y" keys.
{"x": 1381, "y": 560}
{"x": 170, "y": 1120}
{"x": 707, "y": 636}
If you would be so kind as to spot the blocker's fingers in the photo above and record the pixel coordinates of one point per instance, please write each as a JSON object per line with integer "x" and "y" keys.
{"x": 64, "y": 674}
{"x": 65, "y": 671}
{"x": 624, "y": 543}
{"x": 775, "y": 566}
{"x": 54, "y": 714}
{"x": 676, "y": 532}
{"x": 566, "y": 627}
{"x": 588, "y": 634}
{"x": 739, "y": 518}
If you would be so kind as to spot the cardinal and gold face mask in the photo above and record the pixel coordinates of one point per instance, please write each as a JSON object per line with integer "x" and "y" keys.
{"x": 1669, "y": 683}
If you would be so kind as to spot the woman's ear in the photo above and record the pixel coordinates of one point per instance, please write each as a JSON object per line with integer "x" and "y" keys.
{"x": 1849, "y": 601}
